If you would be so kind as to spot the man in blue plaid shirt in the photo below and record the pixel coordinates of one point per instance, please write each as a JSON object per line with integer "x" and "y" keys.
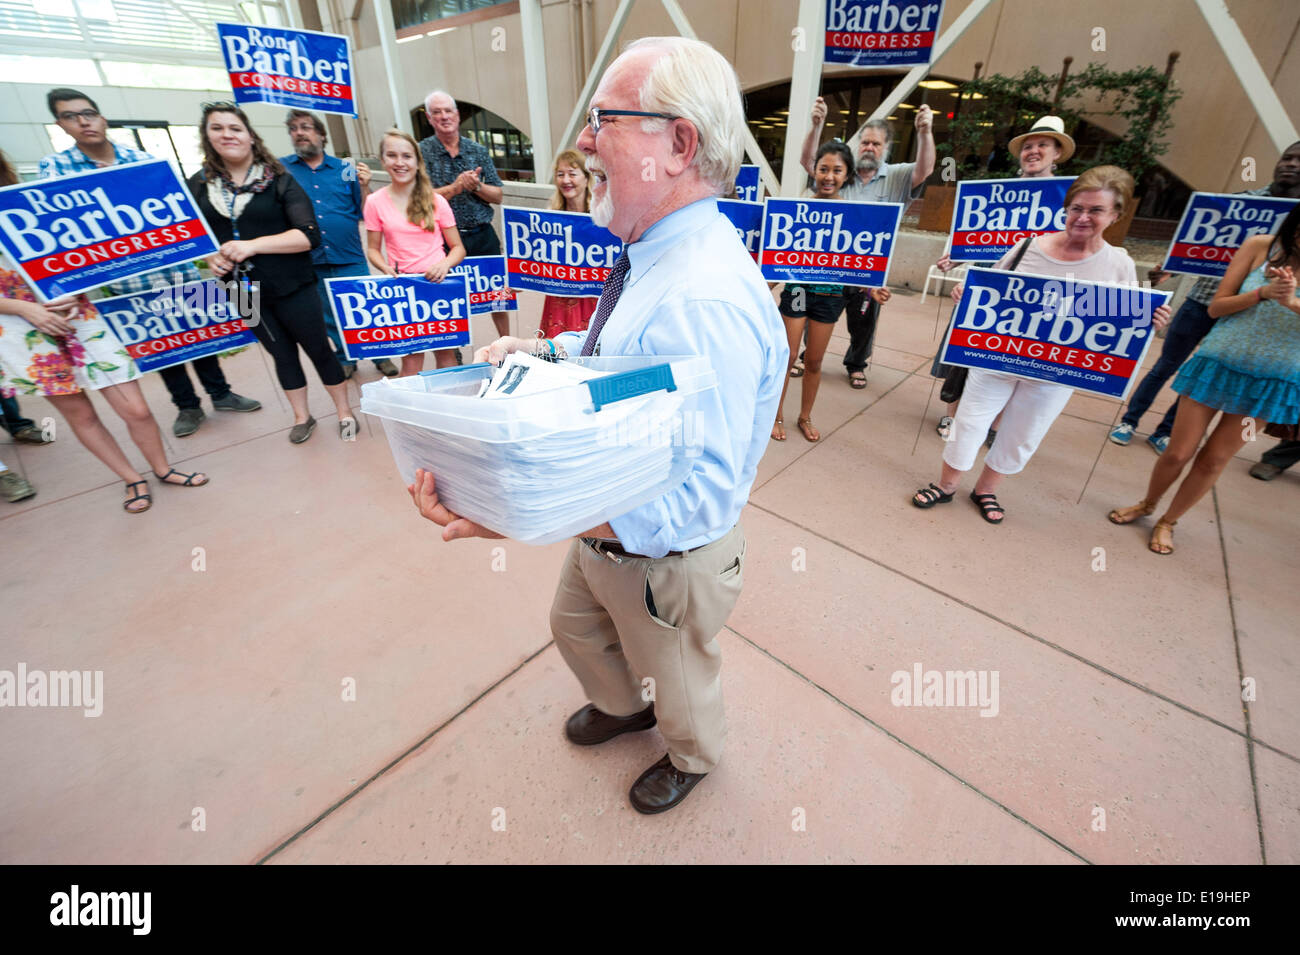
{"x": 79, "y": 117}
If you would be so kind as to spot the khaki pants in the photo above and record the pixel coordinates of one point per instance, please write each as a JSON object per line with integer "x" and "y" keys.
{"x": 604, "y": 628}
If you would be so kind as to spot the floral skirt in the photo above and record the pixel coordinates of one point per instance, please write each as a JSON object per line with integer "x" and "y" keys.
{"x": 33, "y": 363}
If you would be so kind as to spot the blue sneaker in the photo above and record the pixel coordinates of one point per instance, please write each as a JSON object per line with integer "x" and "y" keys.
{"x": 1158, "y": 443}
{"x": 1123, "y": 434}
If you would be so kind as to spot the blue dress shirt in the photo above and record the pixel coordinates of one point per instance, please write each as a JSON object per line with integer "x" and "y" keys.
{"x": 693, "y": 289}
{"x": 335, "y": 197}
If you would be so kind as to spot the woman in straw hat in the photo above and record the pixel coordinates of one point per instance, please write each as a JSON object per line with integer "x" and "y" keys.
{"x": 1039, "y": 151}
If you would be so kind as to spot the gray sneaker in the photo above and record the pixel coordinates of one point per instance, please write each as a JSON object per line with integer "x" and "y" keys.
{"x": 234, "y": 402}
{"x": 15, "y": 488}
{"x": 387, "y": 367}
{"x": 301, "y": 432}
{"x": 187, "y": 422}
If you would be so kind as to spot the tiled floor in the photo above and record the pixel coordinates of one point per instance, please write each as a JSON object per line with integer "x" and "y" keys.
{"x": 231, "y": 622}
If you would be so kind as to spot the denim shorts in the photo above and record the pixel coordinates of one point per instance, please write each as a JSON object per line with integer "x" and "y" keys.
{"x": 816, "y": 307}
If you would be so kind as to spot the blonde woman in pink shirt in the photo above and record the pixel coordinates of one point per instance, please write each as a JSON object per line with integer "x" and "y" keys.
{"x": 411, "y": 221}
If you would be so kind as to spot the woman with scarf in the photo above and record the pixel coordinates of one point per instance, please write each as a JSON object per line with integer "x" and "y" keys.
{"x": 267, "y": 229}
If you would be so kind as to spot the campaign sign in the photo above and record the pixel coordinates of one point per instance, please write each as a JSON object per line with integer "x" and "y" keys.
{"x": 1215, "y": 225}
{"x": 828, "y": 240}
{"x": 169, "y": 326}
{"x": 1088, "y": 335}
{"x": 300, "y": 68}
{"x": 383, "y": 316}
{"x": 81, "y": 231}
{"x": 747, "y": 217}
{"x": 881, "y": 32}
{"x": 559, "y": 253}
{"x": 747, "y": 189}
{"x": 991, "y": 216}
{"x": 485, "y": 277}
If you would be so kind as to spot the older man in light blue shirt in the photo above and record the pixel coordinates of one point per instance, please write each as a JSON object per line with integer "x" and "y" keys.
{"x": 641, "y": 599}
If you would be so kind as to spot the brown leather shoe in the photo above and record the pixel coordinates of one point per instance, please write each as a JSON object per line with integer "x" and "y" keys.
{"x": 661, "y": 787}
{"x": 590, "y": 726}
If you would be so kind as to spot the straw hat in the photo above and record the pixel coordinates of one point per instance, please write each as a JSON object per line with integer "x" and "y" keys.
{"x": 1052, "y": 127}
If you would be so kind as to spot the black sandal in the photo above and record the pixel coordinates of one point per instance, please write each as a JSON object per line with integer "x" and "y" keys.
{"x": 137, "y": 496}
{"x": 987, "y": 503}
{"x": 930, "y": 496}
{"x": 189, "y": 478}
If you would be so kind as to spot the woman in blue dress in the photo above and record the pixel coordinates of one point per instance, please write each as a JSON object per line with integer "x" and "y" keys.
{"x": 1248, "y": 367}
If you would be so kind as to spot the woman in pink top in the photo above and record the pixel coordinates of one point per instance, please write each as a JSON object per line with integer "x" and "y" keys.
{"x": 412, "y": 221}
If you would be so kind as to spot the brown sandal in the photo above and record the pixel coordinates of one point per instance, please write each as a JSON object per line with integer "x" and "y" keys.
{"x": 1127, "y": 515}
{"x": 778, "y": 426}
{"x": 1166, "y": 546}
{"x": 806, "y": 426}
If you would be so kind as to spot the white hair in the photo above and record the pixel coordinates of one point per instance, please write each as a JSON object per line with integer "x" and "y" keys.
{"x": 695, "y": 82}
{"x": 429, "y": 99}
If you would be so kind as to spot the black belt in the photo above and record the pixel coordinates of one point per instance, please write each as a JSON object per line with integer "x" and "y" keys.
{"x": 614, "y": 551}
{"x": 475, "y": 228}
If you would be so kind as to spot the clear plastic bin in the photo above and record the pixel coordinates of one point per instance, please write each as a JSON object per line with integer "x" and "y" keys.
{"x": 545, "y": 466}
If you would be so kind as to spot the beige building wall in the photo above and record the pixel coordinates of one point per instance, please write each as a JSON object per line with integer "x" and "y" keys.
{"x": 1215, "y": 126}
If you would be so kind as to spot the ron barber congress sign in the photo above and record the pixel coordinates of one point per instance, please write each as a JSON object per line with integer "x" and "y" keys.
{"x": 298, "y": 68}
{"x": 559, "y": 253}
{"x": 399, "y": 315}
{"x": 828, "y": 240}
{"x": 1088, "y": 335}
{"x": 79, "y": 232}
{"x": 1215, "y": 225}
{"x": 168, "y": 326}
{"x": 990, "y": 216}
{"x": 881, "y": 32}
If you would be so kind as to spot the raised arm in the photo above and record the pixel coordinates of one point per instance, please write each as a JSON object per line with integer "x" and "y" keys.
{"x": 808, "y": 155}
{"x": 924, "y": 146}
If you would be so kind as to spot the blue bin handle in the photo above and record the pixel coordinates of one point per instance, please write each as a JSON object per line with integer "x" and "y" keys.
{"x": 456, "y": 368}
{"x": 630, "y": 384}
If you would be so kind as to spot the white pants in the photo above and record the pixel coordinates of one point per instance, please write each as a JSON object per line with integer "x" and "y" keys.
{"x": 1028, "y": 410}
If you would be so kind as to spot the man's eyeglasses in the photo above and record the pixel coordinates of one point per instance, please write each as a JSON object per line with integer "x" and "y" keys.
{"x": 597, "y": 116}
{"x": 68, "y": 116}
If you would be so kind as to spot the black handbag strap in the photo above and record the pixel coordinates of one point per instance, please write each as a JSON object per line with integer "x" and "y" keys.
{"x": 1020, "y": 253}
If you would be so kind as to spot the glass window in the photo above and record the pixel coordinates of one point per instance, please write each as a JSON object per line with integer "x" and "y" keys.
{"x": 165, "y": 76}
{"x": 50, "y": 70}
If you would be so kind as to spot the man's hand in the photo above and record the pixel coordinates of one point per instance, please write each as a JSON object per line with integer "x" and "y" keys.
{"x": 363, "y": 174}
{"x": 924, "y": 118}
{"x": 944, "y": 264}
{"x": 881, "y": 295}
{"x": 497, "y": 351}
{"x": 956, "y": 292}
{"x": 819, "y": 112}
{"x": 468, "y": 181}
{"x": 424, "y": 493}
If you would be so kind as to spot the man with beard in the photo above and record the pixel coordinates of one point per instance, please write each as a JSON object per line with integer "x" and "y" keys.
{"x": 1191, "y": 324}
{"x": 336, "y": 189}
{"x": 641, "y": 598}
{"x": 878, "y": 181}
{"x": 78, "y": 115}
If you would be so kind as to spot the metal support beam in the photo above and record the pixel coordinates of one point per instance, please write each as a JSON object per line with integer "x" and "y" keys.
{"x": 918, "y": 73}
{"x": 1259, "y": 91}
{"x": 578, "y": 118}
{"x": 751, "y": 145}
{"x": 539, "y": 103}
{"x": 388, "y": 40}
{"x": 805, "y": 78}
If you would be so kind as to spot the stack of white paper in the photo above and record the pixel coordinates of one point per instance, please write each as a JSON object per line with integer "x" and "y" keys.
{"x": 523, "y": 449}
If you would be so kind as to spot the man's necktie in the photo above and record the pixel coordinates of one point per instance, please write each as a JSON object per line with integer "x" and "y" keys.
{"x": 608, "y": 299}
